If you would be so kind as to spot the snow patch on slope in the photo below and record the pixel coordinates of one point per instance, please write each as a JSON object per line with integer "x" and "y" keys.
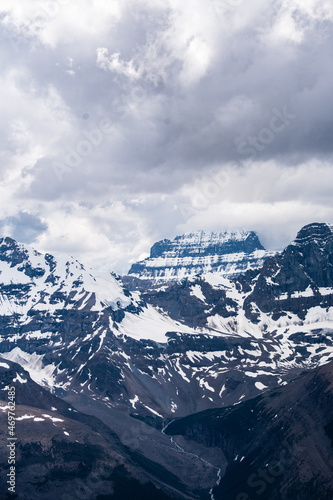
{"x": 33, "y": 364}
{"x": 151, "y": 324}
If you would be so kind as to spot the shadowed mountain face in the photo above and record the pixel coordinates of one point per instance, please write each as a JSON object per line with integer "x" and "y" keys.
{"x": 61, "y": 453}
{"x": 278, "y": 446}
{"x": 299, "y": 278}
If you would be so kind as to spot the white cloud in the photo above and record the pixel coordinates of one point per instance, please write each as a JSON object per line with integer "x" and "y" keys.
{"x": 182, "y": 86}
{"x": 114, "y": 63}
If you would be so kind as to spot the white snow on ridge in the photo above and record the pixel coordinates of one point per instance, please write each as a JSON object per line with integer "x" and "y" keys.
{"x": 260, "y": 386}
{"x": 216, "y": 280}
{"x": 5, "y": 407}
{"x": 306, "y": 293}
{"x": 134, "y": 401}
{"x": 153, "y": 411}
{"x": 67, "y": 276}
{"x": 205, "y": 384}
{"x": 257, "y": 373}
{"x": 223, "y": 388}
{"x": 203, "y": 238}
{"x": 197, "y": 292}
{"x": 107, "y": 290}
{"x": 153, "y": 325}
{"x": 165, "y": 269}
{"x": 181, "y": 371}
{"x": 54, "y": 419}
{"x": 325, "y": 291}
{"x": 19, "y": 379}
{"x": 33, "y": 363}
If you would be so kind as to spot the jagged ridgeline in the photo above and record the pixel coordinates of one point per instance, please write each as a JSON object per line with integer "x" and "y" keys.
{"x": 230, "y": 323}
{"x": 229, "y": 253}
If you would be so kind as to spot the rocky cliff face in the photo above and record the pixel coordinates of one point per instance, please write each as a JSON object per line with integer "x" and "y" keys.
{"x": 278, "y": 446}
{"x": 61, "y": 453}
{"x": 298, "y": 279}
{"x": 227, "y": 253}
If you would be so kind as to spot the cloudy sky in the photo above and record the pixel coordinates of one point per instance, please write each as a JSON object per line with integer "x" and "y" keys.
{"x": 129, "y": 121}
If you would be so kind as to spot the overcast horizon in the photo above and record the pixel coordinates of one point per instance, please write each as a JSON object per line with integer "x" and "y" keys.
{"x": 127, "y": 122}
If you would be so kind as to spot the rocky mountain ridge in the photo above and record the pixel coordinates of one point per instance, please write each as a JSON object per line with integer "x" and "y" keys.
{"x": 62, "y": 453}
{"x": 138, "y": 359}
{"x": 277, "y": 446}
{"x": 228, "y": 253}
{"x": 204, "y": 338}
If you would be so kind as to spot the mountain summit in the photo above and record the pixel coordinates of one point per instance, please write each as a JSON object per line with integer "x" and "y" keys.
{"x": 228, "y": 253}
{"x": 320, "y": 234}
{"x": 298, "y": 278}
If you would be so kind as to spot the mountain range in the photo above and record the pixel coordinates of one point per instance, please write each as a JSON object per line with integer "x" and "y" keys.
{"x": 209, "y": 323}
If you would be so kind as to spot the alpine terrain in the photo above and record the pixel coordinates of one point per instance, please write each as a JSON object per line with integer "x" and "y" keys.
{"x": 228, "y": 253}
{"x": 181, "y": 380}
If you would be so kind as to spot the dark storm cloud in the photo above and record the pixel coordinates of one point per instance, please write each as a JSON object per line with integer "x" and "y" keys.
{"x": 24, "y": 227}
{"x": 160, "y": 118}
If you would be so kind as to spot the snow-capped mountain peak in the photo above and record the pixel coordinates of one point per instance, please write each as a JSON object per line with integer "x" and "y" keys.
{"x": 41, "y": 281}
{"x": 319, "y": 234}
{"x": 228, "y": 253}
